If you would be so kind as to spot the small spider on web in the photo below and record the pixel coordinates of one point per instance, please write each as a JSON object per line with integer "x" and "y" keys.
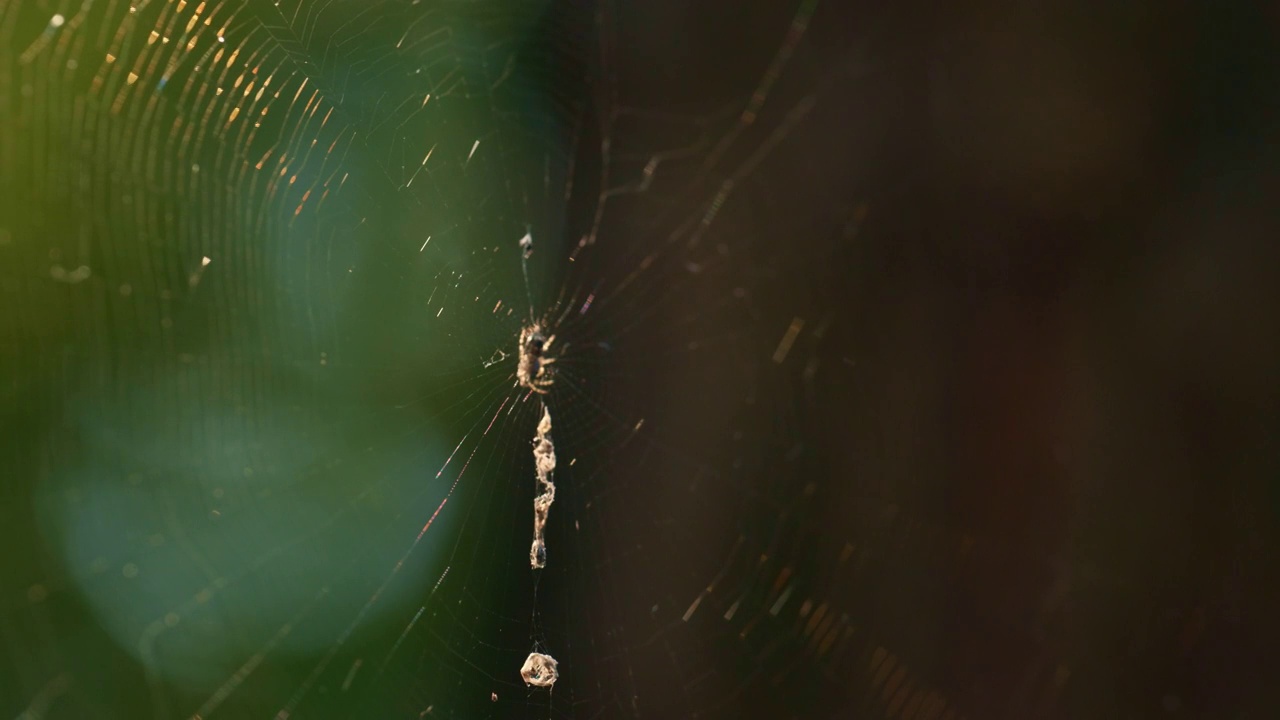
{"x": 532, "y": 371}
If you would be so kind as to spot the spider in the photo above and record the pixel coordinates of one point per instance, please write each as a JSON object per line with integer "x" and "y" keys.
{"x": 531, "y": 372}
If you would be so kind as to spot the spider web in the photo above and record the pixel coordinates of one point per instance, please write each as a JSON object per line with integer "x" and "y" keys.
{"x": 266, "y": 268}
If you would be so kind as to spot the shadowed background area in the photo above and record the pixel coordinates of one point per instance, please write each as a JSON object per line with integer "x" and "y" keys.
{"x": 910, "y": 362}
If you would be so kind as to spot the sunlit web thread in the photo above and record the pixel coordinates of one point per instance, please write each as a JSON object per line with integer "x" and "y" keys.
{"x": 292, "y": 704}
{"x": 696, "y": 226}
{"x": 633, "y": 427}
{"x": 158, "y": 627}
{"x": 409, "y": 628}
{"x": 248, "y": 666}
{"x": 453, "y": 558}
{"x": 799, "y": 24}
